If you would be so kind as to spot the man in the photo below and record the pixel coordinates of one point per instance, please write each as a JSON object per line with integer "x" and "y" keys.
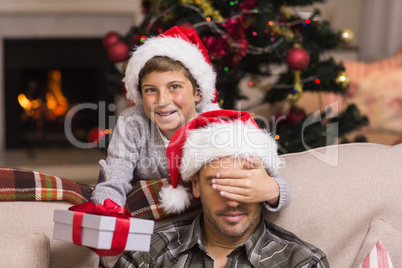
{"x": 227, "y": 233}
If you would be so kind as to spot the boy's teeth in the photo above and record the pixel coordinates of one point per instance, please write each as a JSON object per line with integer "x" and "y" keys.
{"x": 165, "y": 113}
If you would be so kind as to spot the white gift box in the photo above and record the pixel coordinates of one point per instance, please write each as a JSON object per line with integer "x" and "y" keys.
{"x": 97, "y": 230}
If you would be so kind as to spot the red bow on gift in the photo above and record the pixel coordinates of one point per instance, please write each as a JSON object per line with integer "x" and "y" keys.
{"x": 109, "y": 208}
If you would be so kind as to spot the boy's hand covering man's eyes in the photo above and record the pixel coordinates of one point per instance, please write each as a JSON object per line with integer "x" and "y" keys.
{"x": 250, "y": 185}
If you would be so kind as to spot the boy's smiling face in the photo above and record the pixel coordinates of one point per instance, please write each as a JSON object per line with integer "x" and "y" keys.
{"x": 169, "y": 100}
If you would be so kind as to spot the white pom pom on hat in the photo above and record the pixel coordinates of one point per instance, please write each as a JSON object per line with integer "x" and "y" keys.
{"x": 180, "y": 44}
{"x": 213, "y": 135}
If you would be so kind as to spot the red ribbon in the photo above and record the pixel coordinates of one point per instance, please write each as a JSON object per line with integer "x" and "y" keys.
{"x": 109, "y": 208}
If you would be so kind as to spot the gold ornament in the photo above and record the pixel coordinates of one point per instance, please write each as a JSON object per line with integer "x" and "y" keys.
{"x": 169, "y": 17}
{"x": 285, "y": 12}
{"x": 346, "y": 36}
{"x": 298, "y": 88}
{"x": 221, "y": 102}
{"x": 281, "y": 30}
{"x": 206, "y": 8}
{"x": 342, "y": 79}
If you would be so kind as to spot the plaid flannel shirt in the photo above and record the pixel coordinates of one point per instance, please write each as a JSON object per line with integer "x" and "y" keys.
{"x": 179, "y": 244}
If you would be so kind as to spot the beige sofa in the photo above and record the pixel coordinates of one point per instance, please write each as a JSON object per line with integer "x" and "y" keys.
{"x": 345, "y": 199}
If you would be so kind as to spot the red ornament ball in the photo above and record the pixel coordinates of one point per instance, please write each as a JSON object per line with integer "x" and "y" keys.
{"x": 297, "y": 58}
{"x": 95, "y": 135}
{"x": 110, "y": 38}
{"x": 118, "y": 52}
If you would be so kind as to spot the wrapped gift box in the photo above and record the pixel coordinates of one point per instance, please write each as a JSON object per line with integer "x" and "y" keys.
{"x": 97, "y": 231}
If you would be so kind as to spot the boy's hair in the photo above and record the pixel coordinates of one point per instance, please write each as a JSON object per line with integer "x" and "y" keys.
{"x": 165, "y": 64}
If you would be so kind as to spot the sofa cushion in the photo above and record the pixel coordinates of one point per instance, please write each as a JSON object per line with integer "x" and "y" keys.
{"x": 337, "y": 192}
{"x": 22, "y": 250}
{"x": 389, "y": 236}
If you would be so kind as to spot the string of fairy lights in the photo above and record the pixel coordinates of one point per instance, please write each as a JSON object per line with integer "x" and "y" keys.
{"x": 282, "y": 29}
{"x": 280, "y": 32}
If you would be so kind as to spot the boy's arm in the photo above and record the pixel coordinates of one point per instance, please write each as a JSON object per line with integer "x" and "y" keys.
{"x": 118, "y": 168}
{"x": 285, "y": 195}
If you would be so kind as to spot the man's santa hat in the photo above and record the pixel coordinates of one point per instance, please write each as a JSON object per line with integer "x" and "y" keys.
{"x": 213, "y": 135}
{"x": 179, "y": 44}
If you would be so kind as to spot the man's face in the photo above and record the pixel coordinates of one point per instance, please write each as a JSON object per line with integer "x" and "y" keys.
{"x": 221, "y": 215}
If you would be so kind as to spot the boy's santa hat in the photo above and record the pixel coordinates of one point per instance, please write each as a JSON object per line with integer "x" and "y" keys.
{"x": 180, "y": 44}
{"x": 213, "y": 135}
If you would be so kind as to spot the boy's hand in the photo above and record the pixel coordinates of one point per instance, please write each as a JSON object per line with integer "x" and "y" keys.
{"x": 251, "y": 185}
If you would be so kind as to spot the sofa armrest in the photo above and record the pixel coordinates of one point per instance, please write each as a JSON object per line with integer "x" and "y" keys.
{"x": 26, "y": 250}
{"x": 24, "y": 218}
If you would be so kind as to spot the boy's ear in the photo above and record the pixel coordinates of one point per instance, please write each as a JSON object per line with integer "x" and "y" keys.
{"x": 195, "y": 186}
{"x": 197, "y": 96}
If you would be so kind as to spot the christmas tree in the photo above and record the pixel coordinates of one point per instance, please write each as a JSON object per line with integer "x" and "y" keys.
{"x": 245, "y": 38}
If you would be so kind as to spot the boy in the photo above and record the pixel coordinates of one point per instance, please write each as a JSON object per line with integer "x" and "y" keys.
{"x": 171, "y": 80}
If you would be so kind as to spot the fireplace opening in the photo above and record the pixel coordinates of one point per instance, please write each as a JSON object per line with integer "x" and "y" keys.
{"x": 44, "y": 79}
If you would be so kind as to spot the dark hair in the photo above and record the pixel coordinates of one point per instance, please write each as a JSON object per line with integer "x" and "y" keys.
{"x": 165, "y": 64}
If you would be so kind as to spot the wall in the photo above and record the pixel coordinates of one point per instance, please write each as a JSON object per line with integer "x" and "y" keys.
{"x": 342, "y": 14}
{"x": 375, "y": 23}
{"x": 69, "y": 6}
{"x": 381, "y": 31}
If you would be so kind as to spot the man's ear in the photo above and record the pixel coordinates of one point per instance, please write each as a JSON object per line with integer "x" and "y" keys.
{"x": 195, "y": 183}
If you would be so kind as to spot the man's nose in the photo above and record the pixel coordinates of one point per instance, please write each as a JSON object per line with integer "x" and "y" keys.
{"x": 231, "y": 203}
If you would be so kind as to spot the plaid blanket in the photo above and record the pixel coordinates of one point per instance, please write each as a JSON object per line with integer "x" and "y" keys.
{"x": 26, "y": 185}
{"x": 143, "y": 200}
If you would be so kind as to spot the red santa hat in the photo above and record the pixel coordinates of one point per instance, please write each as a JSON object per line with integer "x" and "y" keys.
{"x": 213, "y": 135}
{"x": 180, "y": 44}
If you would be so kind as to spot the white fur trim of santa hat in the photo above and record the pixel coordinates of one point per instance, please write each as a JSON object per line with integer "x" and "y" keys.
{"x": 177, "y": 49}
{"x": 235, "y": 139}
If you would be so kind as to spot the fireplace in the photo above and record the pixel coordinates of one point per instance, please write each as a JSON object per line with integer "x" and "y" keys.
{"x": 43, "y": 79}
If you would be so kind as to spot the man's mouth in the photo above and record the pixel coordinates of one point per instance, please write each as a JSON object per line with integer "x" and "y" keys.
{"x": 233, "y": 217}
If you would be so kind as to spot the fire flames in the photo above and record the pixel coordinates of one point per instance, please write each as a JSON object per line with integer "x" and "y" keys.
{"x": 55, "y": 104}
